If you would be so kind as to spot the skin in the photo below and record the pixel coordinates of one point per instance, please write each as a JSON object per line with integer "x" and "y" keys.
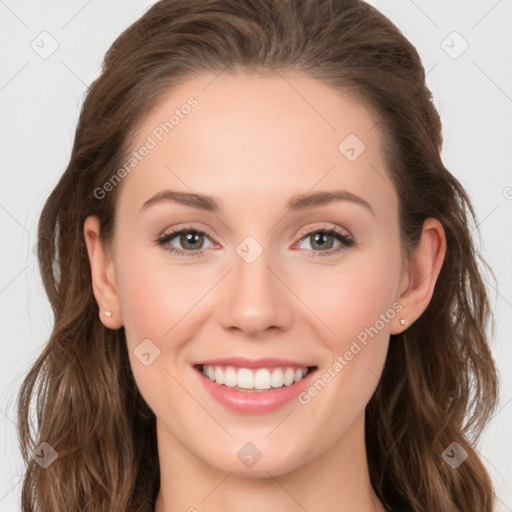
{"x": 253, "y": 142}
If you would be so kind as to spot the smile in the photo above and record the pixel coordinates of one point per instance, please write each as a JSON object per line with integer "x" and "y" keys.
{"x": 254, "y": 387}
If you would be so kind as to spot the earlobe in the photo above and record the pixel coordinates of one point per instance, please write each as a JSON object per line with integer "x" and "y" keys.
{"x": 102, "y": 275}
{"x": 423, "y": 270}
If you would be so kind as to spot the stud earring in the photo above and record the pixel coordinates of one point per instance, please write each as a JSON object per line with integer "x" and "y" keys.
{"x": 403, "y": 321}
{"x": 108, "y": 313}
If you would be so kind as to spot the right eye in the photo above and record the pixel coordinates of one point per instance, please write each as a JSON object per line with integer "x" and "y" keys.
{"x": 186, "y": 237}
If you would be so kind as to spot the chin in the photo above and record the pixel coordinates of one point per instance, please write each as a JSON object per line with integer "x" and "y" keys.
{"x": 257, "y": 460}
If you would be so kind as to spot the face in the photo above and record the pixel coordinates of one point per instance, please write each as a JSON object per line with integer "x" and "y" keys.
{"x": 260, "y": 283}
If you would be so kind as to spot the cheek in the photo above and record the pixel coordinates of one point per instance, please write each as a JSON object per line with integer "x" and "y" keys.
{"x": 358, "y": 308}
{"x": 354, "y": 295}
{"x": 154, "y": 301}
{"x": 160, "y": 303}
{"x": 154, "y": 297}
{"x": 361, "y": 312}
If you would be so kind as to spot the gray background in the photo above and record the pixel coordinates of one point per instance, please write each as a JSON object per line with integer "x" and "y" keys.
{"x": 40, "y": 100}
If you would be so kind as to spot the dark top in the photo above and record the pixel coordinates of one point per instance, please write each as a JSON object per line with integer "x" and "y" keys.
{"x": 400, "y": 508}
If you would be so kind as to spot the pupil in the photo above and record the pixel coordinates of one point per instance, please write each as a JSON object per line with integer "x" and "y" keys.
{"x": 322, "y": 235}
{"x": 187, "y": 239}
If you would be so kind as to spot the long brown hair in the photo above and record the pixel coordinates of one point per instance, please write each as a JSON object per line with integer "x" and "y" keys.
{"x": 439, "y": 384}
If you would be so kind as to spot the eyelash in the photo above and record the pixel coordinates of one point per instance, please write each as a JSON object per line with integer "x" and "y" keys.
{"x": 346, "y": 241}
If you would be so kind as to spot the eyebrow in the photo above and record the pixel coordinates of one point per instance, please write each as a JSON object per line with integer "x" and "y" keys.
{"x": 299, "y": 202}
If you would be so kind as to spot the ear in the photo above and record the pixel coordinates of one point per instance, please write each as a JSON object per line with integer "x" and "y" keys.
{"x": 419, "y": 278}
{"x": 103, "y": 275}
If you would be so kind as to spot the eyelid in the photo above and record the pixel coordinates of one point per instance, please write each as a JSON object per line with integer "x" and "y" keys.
{"x": 323, "y": 227}
{"x": 178, "y": 230}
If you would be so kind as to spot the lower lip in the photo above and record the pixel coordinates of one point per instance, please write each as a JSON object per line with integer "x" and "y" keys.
{"x": 254, "y": 402}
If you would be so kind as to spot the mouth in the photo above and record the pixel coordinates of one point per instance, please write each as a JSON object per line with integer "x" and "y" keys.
{"x": 260, "y": 380}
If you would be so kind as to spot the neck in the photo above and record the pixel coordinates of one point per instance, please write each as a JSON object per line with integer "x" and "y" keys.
{"x": 335, "y": 480}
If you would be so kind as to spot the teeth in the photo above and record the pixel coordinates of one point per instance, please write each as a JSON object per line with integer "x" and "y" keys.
{"x": 218, "y": 374}
{"x": 230, "y": 377}
{"x": 262, "y": 378}
{"x": 245, "y": 379}
{"x": 289, "y": 375}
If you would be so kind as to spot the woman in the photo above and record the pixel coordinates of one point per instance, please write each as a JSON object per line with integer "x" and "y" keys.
{"x": 265, "y": 291}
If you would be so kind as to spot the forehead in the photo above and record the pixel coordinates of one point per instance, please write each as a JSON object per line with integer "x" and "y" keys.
{"x": 250, "y": 136}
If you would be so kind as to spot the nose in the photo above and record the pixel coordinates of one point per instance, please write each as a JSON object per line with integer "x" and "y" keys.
{"x": 254, "y": 299}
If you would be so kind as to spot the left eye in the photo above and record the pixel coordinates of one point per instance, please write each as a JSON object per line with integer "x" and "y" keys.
{"x": 320, "y": 238}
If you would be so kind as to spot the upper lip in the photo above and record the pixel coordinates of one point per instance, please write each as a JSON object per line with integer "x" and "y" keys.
{"x": 243, "y": 362}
